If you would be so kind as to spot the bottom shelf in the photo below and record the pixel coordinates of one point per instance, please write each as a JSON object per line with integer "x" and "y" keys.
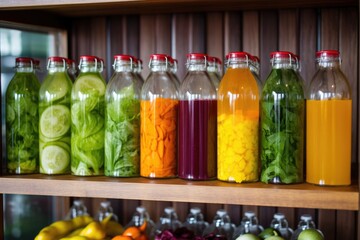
{"x": 177, "y": 190}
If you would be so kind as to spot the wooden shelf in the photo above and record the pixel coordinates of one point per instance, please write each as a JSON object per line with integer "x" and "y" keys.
{"x": 296, "y": 195}
{"x": 109, "y": 7}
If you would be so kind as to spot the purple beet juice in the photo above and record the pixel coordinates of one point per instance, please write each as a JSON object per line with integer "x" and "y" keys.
{"x": 197, "y": 139}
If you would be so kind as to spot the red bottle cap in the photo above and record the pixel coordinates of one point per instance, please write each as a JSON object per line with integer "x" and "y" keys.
{"x": 327, "y": 53}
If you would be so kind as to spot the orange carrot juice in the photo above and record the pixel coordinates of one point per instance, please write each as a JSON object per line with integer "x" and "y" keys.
{"x": 328, "y": 147}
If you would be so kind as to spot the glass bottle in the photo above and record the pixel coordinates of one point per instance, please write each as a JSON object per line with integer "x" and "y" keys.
{"x": 87, "y": 117}
{"x": 328, "y": 119}
{"x": 71, "y": 69}
{"x": 238, "y": 121}
{"x": 22, "y": 119}
{"x": 213, "y": 71}
{"x": 173, "y": 70}
{"x": 305, "y": 222}
{"x": 249, "y": 224}
{"x": 138, "y": 69}
{"x": 141, "y": 216}
{"x": 197, "y": 122}
{"x": 158, "y": 113}
{"x": 282, "y": 109}
{"x": 104, "y": 211}
{"x": 168, "y": 221}
{"x": 55, "y": 118}
{"x": 195, "y": 221}
{"x": 122, "y": 120}
{"x": 281, "y": 224}
{"x": 77, "y": 209}
{"x": 221, "y": 226}
{"x": 255, "y": 69}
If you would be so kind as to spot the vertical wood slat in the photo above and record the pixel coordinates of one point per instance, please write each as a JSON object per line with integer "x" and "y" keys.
{"x": 232, "y": 32}
{"x": 288, "y": 31}
{"x": 329, "y": 29}
{"x": 180, "y": 41}
{"x": 268, "y": 40}
{"x": 307, "y": 40}
{"x": 326, "y": 219}
{"x": 348, "y": 44}
{"x": 250, "y": 33}
{"x": 214, "y": 34}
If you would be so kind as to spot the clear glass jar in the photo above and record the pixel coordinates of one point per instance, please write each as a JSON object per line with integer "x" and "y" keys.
{"x": 158, "y": 113}
{"x": 77, "y": 209}
{"x": 87, "y": 117}
{"x": 72, "y": 69}
{"x": 328, "y": 119}
{"x": 173, "y": 66}
{"x": 138, "y": 67}
{"x": 306, "y": 222}
{"x": 197, "y": 122}
{"x": 238, "y": 121}
{"x": 104, "y": 211}
{"x": 280, "y": 223}
{"x": 195, "y": 221}
{"x": 255, "y": 70}
{"x": 139, "y": 217}
{"x": 168, "y": 221}
{"x": 122, "y": 120}
{"x": 55, "y": 118}
{"x": 213, "y": 70}
{"x": 282, "y": 108}
{"x": 249, "y": 224}
{"x": 221, "y": 226}
{"x": 22, "y": 119}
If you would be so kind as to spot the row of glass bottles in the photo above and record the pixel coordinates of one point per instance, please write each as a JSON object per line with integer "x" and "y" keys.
{"x": 220, "y": 227}
{"x": 235, "y": 107}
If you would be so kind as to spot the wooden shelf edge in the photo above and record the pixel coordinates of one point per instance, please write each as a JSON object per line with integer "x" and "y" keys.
{"x": 101, "y": 7}
{"x": 177, "y": 190}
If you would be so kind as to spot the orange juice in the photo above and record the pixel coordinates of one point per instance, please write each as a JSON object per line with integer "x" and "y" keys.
{"x": 328, "y": 143}
{"x": 238, "y": 126}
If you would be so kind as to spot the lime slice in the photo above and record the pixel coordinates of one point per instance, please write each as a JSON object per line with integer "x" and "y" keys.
{"x": 54, "y": 160}
{"x": 57, "y": 88}
{"x": 55, "y": 121}
{"x": 88, "y": 84}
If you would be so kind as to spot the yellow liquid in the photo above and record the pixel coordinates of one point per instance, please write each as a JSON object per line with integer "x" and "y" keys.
{"x": 238, "y": 126}
{"x": 328, "y": 145}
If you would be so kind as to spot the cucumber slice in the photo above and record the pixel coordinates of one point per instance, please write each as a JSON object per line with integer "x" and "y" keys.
{"x": 55, "y": 121}
{"x": 58, "y": 87}
{"x": 54, "y": 160}
{"x": 88, "y": 84}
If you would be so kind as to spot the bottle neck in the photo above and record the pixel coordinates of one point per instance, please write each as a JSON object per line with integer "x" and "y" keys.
{"x": 197, "y": 65}
{"x": 329, "y": 64}
{"x": 123, "y": 68}
{"x": 159, "y": 67}
{"x": 282, "y": 63}
{"x": 89, "y": 68}
{"x": 27, "y": 69}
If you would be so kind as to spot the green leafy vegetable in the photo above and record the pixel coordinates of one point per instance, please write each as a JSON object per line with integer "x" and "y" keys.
{"x": 87, "y": 125}
{"x": 122, "y": 134}
{"x": 282, "y": 128}
{"x": 22, "y": 121}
